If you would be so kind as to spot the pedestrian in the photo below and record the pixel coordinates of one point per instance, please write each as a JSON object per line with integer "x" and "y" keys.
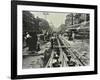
{"x": 73, "y": 36}
{"x": 33, "y": 41}
{"x": 52, "y": 41}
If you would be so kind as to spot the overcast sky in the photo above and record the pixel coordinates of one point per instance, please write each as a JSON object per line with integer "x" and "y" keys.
{"x": 55, "y": 18}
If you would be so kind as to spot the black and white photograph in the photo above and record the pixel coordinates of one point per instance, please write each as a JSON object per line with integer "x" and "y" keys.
{"x": 54, "y": 39}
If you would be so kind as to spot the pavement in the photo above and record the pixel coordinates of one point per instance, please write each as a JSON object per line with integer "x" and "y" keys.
{"x": 32, "y": 59}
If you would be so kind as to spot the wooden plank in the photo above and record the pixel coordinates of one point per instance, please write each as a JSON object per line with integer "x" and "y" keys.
{"x": 61, "y": 53}
{"x": 49, "y": 63}
{"x": 63, "y": 58}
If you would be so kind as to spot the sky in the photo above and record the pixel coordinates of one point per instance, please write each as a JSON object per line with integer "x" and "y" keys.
{"x": 53, "y": 18}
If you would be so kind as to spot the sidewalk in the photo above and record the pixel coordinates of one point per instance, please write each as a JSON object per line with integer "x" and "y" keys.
{"x": 31, "y": 60}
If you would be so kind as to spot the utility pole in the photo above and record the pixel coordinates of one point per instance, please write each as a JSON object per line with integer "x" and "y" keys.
{"x": 72, "y": 17}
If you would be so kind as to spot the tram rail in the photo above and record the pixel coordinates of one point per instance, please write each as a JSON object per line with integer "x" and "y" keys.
{"x": 74, "y": 55}
{"x": 65, "y": 54}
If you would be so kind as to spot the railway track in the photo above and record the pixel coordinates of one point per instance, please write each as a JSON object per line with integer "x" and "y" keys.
{"x": 73, "y": 52}
{"x": 62, "y": 55}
